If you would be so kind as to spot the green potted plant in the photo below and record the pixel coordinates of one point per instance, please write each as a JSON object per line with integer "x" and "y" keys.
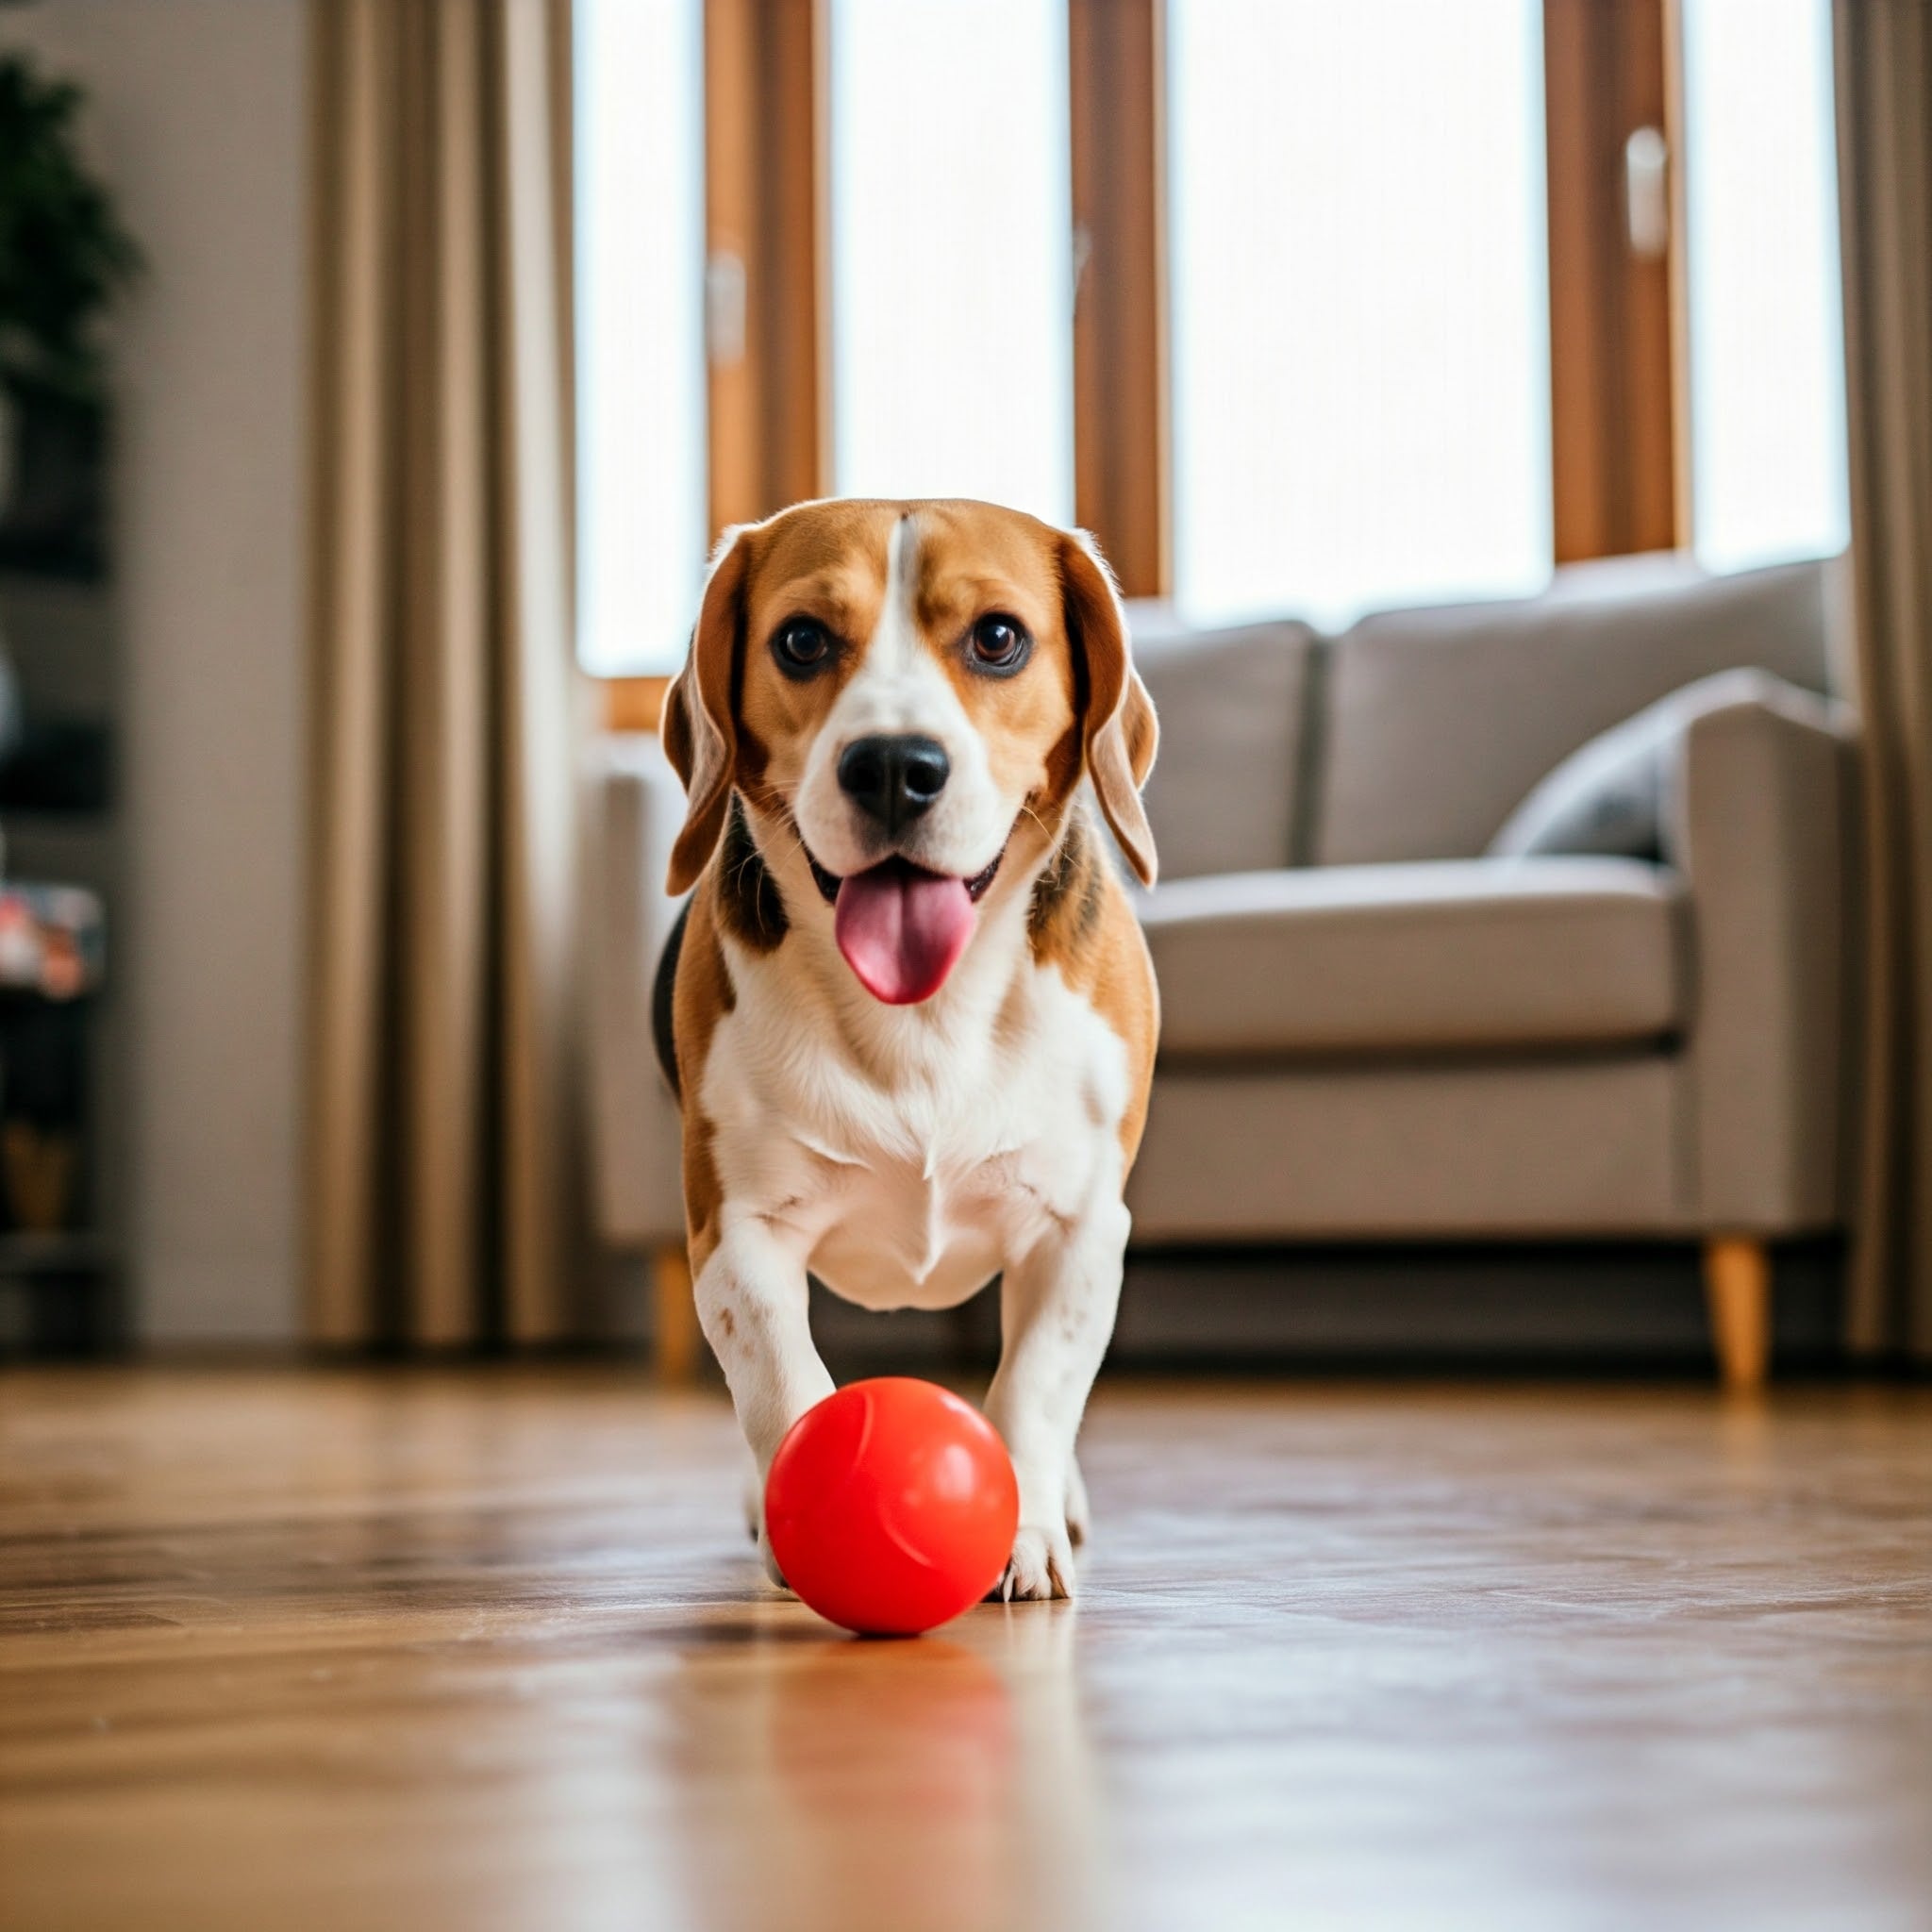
{"x": 63, "y": 257}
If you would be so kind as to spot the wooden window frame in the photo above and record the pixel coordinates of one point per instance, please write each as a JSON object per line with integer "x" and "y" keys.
{"x": 1118, "y": 140}
{"x": 1618, "y": 406}
{"x": 765, "y": 276}
{"x": 1615, "y": 336}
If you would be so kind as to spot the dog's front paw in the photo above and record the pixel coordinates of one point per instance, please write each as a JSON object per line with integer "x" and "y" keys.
{"x": 1041, "y": 1566}
{"x": 755, "y": 1529}
{"x": 770, "y": 1561}
{"x": 1079, "y": 1516}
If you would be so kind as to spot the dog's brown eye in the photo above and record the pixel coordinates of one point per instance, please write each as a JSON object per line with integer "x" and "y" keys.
{"x": 999, "y": 642}
{"x": 802, "y": 646}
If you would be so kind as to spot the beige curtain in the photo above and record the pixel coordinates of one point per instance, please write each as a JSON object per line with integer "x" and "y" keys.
{"x": 1884, "y": 57}
{"x": 441, "y": 1165}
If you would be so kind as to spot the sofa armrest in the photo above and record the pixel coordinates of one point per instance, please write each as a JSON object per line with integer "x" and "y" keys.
{"x": 637, "y": 806}
{"x": 1758, "y": 818}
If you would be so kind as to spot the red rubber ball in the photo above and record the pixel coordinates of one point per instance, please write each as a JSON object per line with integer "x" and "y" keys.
{"x": 891, "y": 1505}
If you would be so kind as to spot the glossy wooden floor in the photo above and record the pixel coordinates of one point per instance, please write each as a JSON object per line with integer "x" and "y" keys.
{"x": 288, "y": 1651}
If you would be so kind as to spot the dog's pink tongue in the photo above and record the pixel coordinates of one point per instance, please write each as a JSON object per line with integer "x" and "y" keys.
{"x": 902, "y": 930}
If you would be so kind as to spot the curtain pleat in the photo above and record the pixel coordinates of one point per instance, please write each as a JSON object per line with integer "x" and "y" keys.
{"x": 443, "y": 1201}
{"x": 1883, "y": 52}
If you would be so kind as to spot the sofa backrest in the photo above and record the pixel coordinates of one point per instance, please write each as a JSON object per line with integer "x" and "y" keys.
{"x": 1226, "y": 792}
{"x": 1439, "y": 722}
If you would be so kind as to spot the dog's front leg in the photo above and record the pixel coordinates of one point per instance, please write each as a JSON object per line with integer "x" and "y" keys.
{"x": 753, "y": 1303}
{"x": 1057, "y": 1311}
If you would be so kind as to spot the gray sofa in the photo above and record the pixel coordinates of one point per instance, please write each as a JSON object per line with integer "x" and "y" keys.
{"x": 1373, "y": 1029}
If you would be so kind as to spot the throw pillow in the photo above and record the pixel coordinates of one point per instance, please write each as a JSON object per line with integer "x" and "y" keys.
{"x": 1607, "y": 797}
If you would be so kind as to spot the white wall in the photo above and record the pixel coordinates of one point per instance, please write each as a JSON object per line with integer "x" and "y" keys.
{"x": 197, "y": 118}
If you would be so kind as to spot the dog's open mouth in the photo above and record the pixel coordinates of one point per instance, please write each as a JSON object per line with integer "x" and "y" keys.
{"x": 829, "y": 882}
{"x": 901, "y": 927}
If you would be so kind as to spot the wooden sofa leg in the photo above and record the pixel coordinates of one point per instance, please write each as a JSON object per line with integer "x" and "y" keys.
{"x": 1737, "y": 1286}
{"x": 674, "y": 1316}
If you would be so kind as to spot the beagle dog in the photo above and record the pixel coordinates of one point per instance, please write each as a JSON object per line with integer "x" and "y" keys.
{"x": 907, "y": 1008}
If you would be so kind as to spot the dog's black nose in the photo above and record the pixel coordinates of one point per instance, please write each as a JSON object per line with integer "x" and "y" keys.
{"x": 894, "y": 779}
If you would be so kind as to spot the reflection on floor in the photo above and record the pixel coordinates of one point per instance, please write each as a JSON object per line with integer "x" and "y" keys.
{"x": 482, "y": 1649}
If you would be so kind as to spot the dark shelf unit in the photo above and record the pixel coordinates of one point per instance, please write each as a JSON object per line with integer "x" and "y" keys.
{"x": 61, "y": 1292}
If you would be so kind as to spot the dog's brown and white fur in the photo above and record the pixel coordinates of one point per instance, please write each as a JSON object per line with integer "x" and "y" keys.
{"x": 906, "y": 1155}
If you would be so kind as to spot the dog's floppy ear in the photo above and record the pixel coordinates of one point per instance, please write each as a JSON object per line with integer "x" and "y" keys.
{"x": 1120, "y": 728}
{"x": 699, "y": 732}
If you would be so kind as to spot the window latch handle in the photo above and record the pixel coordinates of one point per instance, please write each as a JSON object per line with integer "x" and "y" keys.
{"x": 1646, "y": 194}
{"x": 724, "y": 306}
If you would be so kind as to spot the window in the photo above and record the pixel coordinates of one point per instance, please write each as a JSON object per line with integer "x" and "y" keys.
{"x": 1767, "y": 351}
{"x": 642, "y": 533}
{"x": 1301, "y": 307}
{"x": 951, "y": 248}
{"x": 1359, "y": 302}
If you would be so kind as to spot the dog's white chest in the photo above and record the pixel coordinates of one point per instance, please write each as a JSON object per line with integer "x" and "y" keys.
{"x": 906, "y": 1240}
{"x": 916, "y": 1191}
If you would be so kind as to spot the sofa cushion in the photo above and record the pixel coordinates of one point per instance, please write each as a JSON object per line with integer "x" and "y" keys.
{"x": 1440, "y": 721}
{"x": 1455, "y": 956}
{"x": 1608, "y": 796}
{"x": 1232, "y": 706}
